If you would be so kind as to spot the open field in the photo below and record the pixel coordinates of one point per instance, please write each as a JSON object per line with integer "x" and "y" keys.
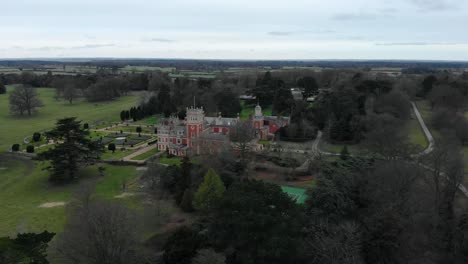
{"x": 130, "y": 69}
{"x": 24, "y": 187}
{"x": 14, "y": 129}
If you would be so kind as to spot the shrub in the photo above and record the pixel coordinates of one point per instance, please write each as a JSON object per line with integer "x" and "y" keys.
{"x": 30, "y": 149}
{"x": 36, "y": 137}
{"x": 111, "y": 147}
{"x": 86, "y": 126}
{"x": 15, "y": 147}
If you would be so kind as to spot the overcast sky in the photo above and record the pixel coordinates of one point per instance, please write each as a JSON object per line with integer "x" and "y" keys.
{"x": 235, "y": 29}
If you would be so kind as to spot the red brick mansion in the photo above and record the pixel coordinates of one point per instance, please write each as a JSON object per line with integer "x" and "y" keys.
{"x": 199, "y": 134}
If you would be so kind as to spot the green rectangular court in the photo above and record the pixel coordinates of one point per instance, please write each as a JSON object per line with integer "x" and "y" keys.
{"x": 297, "y": 194}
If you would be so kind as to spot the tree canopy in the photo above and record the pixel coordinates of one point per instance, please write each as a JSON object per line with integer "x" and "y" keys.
{"x": 209, "y": 192}
{"x": 73, "y": 149}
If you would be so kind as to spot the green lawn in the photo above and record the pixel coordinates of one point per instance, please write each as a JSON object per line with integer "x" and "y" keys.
{"x": 24, "y": 186}
{"x": 152, "y": 120}
{"x": 249, "y": 109}
{"x": 146, "y": 155}
{"x": 14, "y": 129}
{"x": 144, "y": 129}
{"x": 416, "y": 134}
{"x": 117, "y": 155}
{"x": 171, "y": 161}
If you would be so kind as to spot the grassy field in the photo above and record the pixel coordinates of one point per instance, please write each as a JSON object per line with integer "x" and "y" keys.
{"x": 152, "y": 120}
{"x": 24, "y": 187}
{"x": 171, "y": 161}
{"x": 416, "y": 134}
{"x": 129, "y": 68}
{"x": 132, "y": 129}
{"x": 117, "y": 155}
{"x": 146, "y": 154}
{"x": 14, "y": 129}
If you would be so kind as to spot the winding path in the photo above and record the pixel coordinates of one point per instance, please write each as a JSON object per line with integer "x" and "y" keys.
{"x": 430, "y": 139}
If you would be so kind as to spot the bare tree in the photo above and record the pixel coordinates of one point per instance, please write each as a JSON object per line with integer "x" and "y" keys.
{"x": 327, "y": 243}
{"x": 208, "y": 256}
{"x": 24, "y": 99}
{"x": 445, "y": 174}
{"x": 98, "y": 232}
{"x": 241, "y": 137}
{"x": 386, "y": 138}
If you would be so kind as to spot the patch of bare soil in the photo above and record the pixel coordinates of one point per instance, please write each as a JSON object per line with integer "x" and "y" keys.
{"x": 124, "y": 195}
{"x": 52, "y": 204}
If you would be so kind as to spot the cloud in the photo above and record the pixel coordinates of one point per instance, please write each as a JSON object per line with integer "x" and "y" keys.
{"x": 354, "y": 16}
{"x": 419, "y": 44}
{"x": 388, "y": 11}
{"x": 93, "y": 46}
{"x": 280, "y": 33}
{"x": 163, "y": 40}
{"x": 434, "y": 5}
{"x": 301, "y": 32}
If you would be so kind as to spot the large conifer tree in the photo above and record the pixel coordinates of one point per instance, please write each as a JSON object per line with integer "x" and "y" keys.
{"x": 73, "y": 149}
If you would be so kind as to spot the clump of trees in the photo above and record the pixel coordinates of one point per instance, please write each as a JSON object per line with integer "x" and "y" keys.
{"x": 2, "y": 89}
{"x": 24, "y": 100}
{"x": 273, "y": 91}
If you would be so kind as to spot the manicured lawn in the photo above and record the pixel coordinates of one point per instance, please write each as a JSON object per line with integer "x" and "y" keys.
{"x": 132, "y": 129}
{"x": 171, "y": 161}
{"x": 114, "y": 179}
{"x": 14, "y": 129}
{"x": 146, "y": 154}
{"x": 249, "y": 109}
{"x": 24, "y": 186}
{"x": 117, "y": 155}
{"x": 152, "y": 120}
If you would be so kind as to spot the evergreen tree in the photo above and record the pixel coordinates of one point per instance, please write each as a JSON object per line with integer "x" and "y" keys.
{"x": 75, "y": 150}
{"x": 184, "y": 179}
{"x": 2, "y": 89}
{"x": 209, "y": 192}
{"x": 122, "y": 116}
